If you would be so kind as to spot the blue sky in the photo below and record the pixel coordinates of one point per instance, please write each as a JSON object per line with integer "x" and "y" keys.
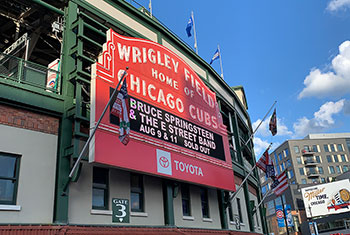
{"x": 295, "y": 52}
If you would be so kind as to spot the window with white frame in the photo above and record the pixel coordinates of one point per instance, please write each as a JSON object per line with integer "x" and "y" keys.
{"x": 186, "y": 201}
{"x": 9, "y": 172}
{"x": 340, "y": 147}
{"x": 343, "y": 158}
{"x": 335, "y": 157}
{"x": 137, "y": 193}
{"x": 100, "y": 188}
{"x": 338, "y": 169}
{"x": 332, "y": 147}
{"x": 204, "y": 202}
{"x": 296, "y": 149}
{"x": 326, "y": 149}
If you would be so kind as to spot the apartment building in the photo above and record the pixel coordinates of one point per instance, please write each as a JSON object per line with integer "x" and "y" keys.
{"x": 318, "y": 158}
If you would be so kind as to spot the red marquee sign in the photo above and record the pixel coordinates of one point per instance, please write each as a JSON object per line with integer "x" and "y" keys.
{"x": 174, "y": 126}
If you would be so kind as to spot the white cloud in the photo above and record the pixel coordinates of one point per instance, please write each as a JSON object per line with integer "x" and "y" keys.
{"x": 335, "y": 5}
{"x": 331, "y": 83}
{"x": 261, "y": 145}
{"x": 322, "y": 119}
{"x": 263, "y": 130}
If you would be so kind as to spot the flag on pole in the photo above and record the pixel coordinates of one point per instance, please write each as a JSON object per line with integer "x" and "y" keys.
{"x": 189, "y": 26}
{"x": 150, "y": 7}
{"x": 273, "y": 123}
{"x": 215, "y": 56}
{"x": 280, "y": 183}
{"x": 266, "y": 165}
{"x": 120, "y": 109}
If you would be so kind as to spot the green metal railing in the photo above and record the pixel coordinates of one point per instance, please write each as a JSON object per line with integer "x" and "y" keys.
{"x": 29, "y": 73}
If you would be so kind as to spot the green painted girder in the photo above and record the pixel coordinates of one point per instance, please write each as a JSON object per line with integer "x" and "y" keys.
{"x": 248, "y": 207}
{"x": 168, "y": 194}
{"x": 222, "y": 209}
{"x": 66, "y": 124}
{"x": 12, "y": 91}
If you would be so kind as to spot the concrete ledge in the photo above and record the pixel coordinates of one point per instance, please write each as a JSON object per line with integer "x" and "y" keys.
{"x": 100, "y": 212}
{"x": 10, "y": 208}
{"x": 139, "y": 214}
{"x": 207, "y": 220}
{"x": 188, "y": 218}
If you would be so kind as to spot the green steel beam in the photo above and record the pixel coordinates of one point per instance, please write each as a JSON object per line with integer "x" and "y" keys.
{"x": 240, "y": 159}
{"x": 237, "y": 140}
{"x": 65, "y": 134}
{"x": 262, "y": 214}
{"x": 11, "y": 91}
{"x": 169, "y": 218}
{"x": 248, "y": 207}
{"x": 48, "y": 6}
{"x": 222, "y": 209}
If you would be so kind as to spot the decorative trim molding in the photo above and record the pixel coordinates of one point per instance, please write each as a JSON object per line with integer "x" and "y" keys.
{"x": 139, "y": 214}
{"x": 10, "y": 208}
{"x": 188, "y": 217}
{"x": 100, "y": 212}
{"x": 207, "y": 220}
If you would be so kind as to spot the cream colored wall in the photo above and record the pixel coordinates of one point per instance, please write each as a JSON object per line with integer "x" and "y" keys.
{"x": 80, "y": 200}
{"x": 196, "y": 220}
{"x": 221, "y": 90}
{"x": 36, "y": 184}
{"x": 257, "y": 224}
{"x": 80, "y": 203}
{"x": 125, "y": 19}
{"x": 241, "y": 96}
{"x": 245, "y": 224}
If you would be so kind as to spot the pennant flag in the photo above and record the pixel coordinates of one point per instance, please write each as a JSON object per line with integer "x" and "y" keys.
{"x": 280, "y": 183}
{"x": 266, "y": 165}
{"x": 189, "y": 26}
{"x": 215, "y": 56}
{"x": 273, "y": 123}
{"x": 121, "y": 109}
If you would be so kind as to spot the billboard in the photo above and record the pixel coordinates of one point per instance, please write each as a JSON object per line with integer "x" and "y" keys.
{"x": 174, "y": 127}
{"x": 325, "y": 199}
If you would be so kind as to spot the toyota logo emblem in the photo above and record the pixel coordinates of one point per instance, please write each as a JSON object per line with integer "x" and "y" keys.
{"x": 164, "y": 162}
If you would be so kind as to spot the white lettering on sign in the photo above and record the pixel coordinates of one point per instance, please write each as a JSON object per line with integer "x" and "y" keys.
{"x": 188, "y": 168}
{"x": 156, "y": 94}
{"x": 141, "y": 56}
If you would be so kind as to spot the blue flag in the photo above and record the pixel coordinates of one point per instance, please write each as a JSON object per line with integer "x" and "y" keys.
{"x": 280, "y": 216}
{"x": 215, "y": 56}
{"x": 189, "y": 26}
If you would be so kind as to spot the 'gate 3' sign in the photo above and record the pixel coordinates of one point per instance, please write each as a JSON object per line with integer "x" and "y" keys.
{"x": 175, "y": 125}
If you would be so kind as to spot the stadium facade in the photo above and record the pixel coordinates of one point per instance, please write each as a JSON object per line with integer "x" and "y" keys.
{"x": 184, "y": 150}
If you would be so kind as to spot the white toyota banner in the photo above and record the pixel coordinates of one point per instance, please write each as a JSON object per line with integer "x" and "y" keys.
{"x": 324, "y": 199}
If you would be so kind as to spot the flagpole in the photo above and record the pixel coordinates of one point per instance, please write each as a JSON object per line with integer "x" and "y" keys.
{"x": 234, "y": 195}
{"x": 93, "y": 131}
{"x": 251, "y": 136}
{"x": 262, "y": 200}
{"x": 222, "y": 71}
{"x": 194, "y": 32}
